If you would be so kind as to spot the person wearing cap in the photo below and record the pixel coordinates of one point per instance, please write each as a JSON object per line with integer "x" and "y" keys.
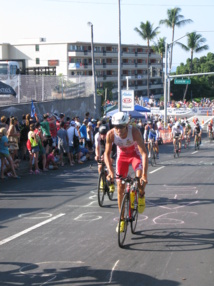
{"x": 74, "y": 150}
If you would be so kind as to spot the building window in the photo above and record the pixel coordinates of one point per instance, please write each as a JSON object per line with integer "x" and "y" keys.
{"x": 37, "y": 61}
{"x": 37, "y": 48}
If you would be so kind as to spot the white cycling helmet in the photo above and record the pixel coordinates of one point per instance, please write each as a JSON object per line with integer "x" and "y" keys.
{"x": 120, "y": 118}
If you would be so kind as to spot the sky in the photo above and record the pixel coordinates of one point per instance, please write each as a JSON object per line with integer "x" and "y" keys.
{"x": 66, "y": 21}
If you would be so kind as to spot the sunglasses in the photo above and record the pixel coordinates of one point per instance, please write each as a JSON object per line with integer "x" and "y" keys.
{"x": 120, "y": 126}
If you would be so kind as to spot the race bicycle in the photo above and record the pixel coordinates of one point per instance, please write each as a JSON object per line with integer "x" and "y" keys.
{"x": 103, "y": 185}
{"x": 187, "y": 141}
{"x": 197, "y": 142}
{"x": 128, "y": 213}
{"x": 153, "y": 151}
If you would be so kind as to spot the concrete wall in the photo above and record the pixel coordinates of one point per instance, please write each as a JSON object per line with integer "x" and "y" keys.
{"x": 70, "y": 107}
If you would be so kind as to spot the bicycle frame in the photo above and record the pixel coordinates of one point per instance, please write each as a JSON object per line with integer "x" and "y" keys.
{"x": 128, "y": 214}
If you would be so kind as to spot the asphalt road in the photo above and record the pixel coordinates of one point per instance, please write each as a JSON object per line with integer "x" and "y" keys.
{"x": 52, "y": 231}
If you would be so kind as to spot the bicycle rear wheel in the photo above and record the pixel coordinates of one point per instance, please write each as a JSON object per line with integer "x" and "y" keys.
{"x": 134, "y": 213}
{"x": 101, "y": 188}
{"x": 124, "y": 216}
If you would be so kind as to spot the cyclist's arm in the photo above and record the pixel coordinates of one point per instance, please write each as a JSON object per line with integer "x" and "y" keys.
{"x": 97, "y": 148}
{"x": 142, "y": 149}
{"x": 107, "y": 154}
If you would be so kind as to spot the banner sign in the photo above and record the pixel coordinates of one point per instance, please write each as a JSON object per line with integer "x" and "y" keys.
{"x": 127, "y": 100}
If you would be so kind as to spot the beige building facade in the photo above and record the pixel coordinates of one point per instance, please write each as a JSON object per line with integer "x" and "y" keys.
{"x": 74, "y": 59}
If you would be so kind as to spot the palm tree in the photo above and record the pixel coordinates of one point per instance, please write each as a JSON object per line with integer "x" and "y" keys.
{"x": 159, "y": 47}
{"x": 194, "y": 44}
{"x": 174, "y": 19}
{"x": 147, "y": 33}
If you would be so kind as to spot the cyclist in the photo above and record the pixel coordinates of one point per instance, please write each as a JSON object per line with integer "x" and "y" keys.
{"x": 197, "y": 131}
{"x": 210, "y": 129}
{"x": 152, "y": 137}
{"x": 188, "y": 130}
{"x": 177, "y": 132}
{"x": 130, "y": 148}
{"x": 100, "y": 142}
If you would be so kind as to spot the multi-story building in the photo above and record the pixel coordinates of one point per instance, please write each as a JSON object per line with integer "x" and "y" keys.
{"x": 74, "y": 59}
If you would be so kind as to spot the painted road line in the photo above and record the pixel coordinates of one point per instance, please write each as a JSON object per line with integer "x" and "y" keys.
{"x": 194, "y": 152}
{"x": 6, "y": 240}
{"x": 156, "y": 170}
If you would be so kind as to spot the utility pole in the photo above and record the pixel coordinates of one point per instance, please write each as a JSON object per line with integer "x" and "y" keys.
{"x": 165, "y": 86}
{"x": 93, "y": 69}
{"x": 119, "y": 61}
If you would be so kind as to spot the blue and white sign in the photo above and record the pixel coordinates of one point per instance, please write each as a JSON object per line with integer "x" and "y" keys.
{"x": 127, "y": 100}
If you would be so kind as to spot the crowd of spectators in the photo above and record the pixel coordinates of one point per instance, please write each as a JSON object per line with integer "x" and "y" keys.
{"x": 47, "y": 143}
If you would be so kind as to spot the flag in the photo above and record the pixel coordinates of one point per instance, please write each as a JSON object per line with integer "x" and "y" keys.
{"x": 33, "y": 109}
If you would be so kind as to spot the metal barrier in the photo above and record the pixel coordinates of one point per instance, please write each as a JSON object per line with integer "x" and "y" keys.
{"x": 46, "y": 88}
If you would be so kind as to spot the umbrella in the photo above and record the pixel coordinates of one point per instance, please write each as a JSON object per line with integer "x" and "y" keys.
{"x": 134, "y": 114}
{"x": 6, "y": 89}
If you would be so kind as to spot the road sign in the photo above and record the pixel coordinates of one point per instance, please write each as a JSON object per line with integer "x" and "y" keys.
{"x": 182, "y": 81}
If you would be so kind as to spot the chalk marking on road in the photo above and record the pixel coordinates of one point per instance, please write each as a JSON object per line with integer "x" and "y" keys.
{"x": 175, "y": 197}
{"x": 88, "y": 216}
{"x": 178, "y": 207}
{"x": 194, "y": 152}
{"x": 171, "y": 220}
{"x": 111, "y": 275}
{"x": 156, "y": 170}
{"x": 8, "y": 239}
{"x": 92, "y": 197}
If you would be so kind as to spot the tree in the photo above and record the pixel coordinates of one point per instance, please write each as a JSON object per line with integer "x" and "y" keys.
{"x": 159, "y": 47}
{"x": 200, "y": 85}
{"x": 147, "y": 33}
{"x": 174, "y": 19}
{"x": 194, "y": 44}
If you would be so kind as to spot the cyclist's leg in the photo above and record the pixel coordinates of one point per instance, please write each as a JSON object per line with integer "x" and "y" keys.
{"x": 149, "y": 147}
{"x": 174, "y": 143}
{"x": 179, "y": 144}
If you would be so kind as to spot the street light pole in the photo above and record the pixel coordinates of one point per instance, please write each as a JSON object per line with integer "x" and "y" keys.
{"x": 93, "y": 69}
{"x": 119, "y": 62}
{"x": 165, "y": 86}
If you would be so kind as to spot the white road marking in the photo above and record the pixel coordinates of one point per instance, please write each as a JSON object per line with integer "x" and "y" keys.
{"x": 6, "y": 240}
{"x": 115, "y": 265}
{"x": 38, "y": 216}
{"x": 156, "y": 170}
{"x": 194, "y": 152}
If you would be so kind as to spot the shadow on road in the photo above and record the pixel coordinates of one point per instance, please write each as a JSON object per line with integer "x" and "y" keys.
{"x": 64, "y": 273}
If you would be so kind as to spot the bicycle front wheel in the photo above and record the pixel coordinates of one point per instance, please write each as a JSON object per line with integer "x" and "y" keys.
{"x": 101, "y": 189}
{"x": 110, "y": 195}
{"x": 134, "y": 213}
{"x": 123, "y": 221}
